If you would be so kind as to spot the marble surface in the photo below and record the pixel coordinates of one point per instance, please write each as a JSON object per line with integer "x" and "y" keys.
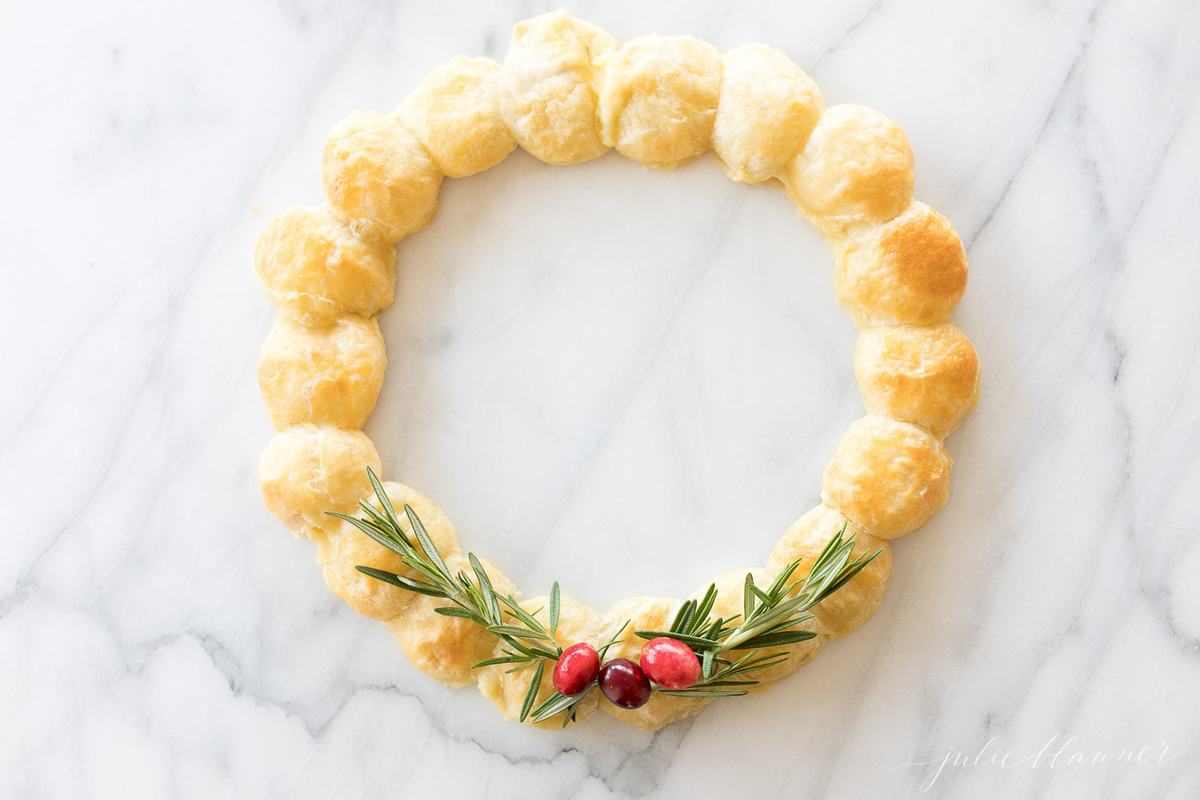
{"x": 622, "y": 379}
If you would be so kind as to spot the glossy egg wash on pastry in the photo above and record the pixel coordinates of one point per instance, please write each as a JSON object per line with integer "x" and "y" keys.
{"x": 568, "y": 92}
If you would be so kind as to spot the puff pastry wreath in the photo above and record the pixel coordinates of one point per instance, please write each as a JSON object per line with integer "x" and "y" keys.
{"x": 566, "y": 93}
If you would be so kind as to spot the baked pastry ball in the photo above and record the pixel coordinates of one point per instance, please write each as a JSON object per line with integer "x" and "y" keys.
{"x": 853, "y": 604}
{"x": 373, "y": 168}
{"x": 887, "y": 476}
{"x": 307, "y": 470}
{"x": 349, "y": 548}
{"x": 329, "y": 375}
{"x": 912, "y": 270}
{"x": 658, "y": 99}
{"x": 547, "y": 95}
{"x": 653, "y": 614}
{"x": 576, "y": 623}
{"x": 731, "y": 589}
{"x": 446, "y": 648}
{"x": 768, "y": 108}
{"x": 317, "y": 268}
{"x": 925, "y": 375}
{"x": 455, "y": 113}
{"x": 856, "y": 166}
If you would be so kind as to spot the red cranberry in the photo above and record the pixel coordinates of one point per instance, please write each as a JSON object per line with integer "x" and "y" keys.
{"x": 670, "y": 663}
{"x": 624, "y": 683}
{"x": 576, "y": 668}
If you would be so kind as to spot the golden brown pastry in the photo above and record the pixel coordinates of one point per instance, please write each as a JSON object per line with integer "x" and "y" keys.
{"x": 889, "y": 477}
{"x": 653, "y": 614}
{"x": 853, "y": 604}
{"x": 328, "y": 375}
{"x": 349, "y": 548}
{"x": 925, "y": 375}
{"x": 446, "y": 648}
{"x": 911, "y": 270}
{"x": 731, "y": 589}
{"x": 307, "y": 470}
{"x": 856, "y": 166}
{"x": 576, "y": 623}
{"x": 317, "y": 268}
{"x": 658, "y": 99}
{"x": 455, "y": 112}
{"x": 375, "y": 169}
{"x": 566, "y": 93}
{"x": 547, "y": 88}
{"x": 768, "y": 108}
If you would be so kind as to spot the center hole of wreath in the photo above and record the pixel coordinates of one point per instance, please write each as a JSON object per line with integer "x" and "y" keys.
{"x": 625, "y": 380}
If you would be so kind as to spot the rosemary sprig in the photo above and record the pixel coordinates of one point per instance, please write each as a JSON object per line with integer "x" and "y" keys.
{"x": 473, "y": 596}
{"x": 771, "y": 617}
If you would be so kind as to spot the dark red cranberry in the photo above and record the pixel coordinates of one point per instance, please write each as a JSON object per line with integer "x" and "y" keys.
{"x": 670, "y": 663}
{"x": 624, "y": 683}
{"x": 576, "y": 668}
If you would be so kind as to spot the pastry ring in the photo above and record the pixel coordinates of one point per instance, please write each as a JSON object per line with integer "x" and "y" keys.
{"x": 566, "y": 93}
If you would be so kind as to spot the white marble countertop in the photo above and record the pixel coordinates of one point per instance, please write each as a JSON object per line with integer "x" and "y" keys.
{"x": 622, "y": 379}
